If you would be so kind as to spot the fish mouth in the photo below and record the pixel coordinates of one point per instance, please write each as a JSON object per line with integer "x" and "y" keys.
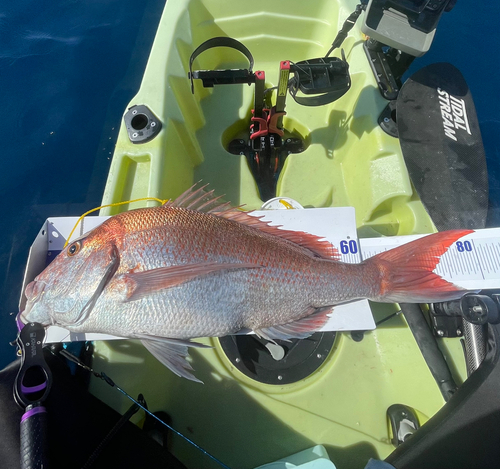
{"x": 34, "y": 289}
{"x": 33, "y": 292}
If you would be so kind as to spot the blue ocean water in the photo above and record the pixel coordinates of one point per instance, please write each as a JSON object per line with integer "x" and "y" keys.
{"x": 67, "y": 71}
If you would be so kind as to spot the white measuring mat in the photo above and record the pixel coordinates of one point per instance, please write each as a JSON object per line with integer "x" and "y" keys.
{"x": 473, "y": 262}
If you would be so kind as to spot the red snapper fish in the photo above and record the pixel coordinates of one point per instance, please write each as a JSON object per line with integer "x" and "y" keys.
{"x": 197, "y": 268}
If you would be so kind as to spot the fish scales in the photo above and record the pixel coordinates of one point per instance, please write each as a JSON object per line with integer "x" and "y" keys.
{"x": 222, "y": 302}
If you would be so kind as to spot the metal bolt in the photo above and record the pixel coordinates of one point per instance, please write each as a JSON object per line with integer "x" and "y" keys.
{"x": 440, "y": 333}
{"x": 27, "y": 344}
{"x": 153, "y": 124}
{"x": 134, "y": 135}
{"x": 386, "y": 119}
{"x": 134, "y": 112}
{"x": 319, "y": 355}
{"x": 280, "y": 377}
{"x": 238, "y": 360}
{"x": 38, "y": 342}
{"x": 459, "y": 332}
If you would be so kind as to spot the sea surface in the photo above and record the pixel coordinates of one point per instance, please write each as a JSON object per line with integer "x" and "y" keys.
{"x": 68, "y": 69}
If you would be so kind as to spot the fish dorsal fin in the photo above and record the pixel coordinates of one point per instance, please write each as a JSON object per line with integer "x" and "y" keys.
{"x": 204, "y": 201}
{"x": 200, "y": 200}
{"x": 321, "y": 247}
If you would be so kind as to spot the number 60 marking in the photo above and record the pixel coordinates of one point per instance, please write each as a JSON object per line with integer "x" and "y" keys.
{"x": 347, "y": 247}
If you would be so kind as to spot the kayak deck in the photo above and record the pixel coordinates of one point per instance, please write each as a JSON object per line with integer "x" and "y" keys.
{"x": 348, "y": 161}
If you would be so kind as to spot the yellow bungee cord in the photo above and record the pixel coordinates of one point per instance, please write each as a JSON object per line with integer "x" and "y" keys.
{"x": 162, "y": 202}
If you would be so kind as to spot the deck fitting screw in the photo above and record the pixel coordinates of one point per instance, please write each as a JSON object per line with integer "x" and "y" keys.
{"x": 134, "y": 135}
{"x": 280, "y": 377}
{"x": 318, "y": 355}
{"x": 459, "y": 332}
{"x": 440, "y": 333}
{"x": 237, "y": 360}
{"x": 153, "y": 124}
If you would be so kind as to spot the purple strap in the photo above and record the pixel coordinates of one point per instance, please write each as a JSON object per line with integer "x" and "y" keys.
{"x": 32, "y": 389}
{"x": 31, "y": 412}
{"x": 19, "y": 323}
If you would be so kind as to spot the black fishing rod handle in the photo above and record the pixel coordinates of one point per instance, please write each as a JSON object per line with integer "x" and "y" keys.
{"x": 34, "y": 438}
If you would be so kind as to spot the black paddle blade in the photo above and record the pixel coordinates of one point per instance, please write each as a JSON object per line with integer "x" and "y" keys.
{"x": 442, "y": 147}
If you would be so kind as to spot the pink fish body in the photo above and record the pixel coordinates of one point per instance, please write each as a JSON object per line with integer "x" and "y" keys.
{"x": 194, "y": 268}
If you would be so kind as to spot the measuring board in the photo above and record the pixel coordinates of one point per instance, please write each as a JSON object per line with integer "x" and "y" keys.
{"x": 473, "y": 262}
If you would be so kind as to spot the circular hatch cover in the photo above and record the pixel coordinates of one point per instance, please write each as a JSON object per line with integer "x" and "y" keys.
{"x": 282, "y": 362}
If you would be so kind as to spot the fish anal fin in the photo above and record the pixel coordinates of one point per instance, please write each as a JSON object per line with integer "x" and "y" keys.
{"x": 141, "y": 284}
{"x": 173, "y": 354}
{"x": 300, "y": 329}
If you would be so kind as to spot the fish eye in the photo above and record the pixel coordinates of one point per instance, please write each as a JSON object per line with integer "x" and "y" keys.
{"x": 74, "y": 248}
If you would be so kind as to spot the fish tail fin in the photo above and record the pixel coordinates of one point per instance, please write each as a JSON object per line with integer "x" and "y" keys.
{"x": 407, "y": 271}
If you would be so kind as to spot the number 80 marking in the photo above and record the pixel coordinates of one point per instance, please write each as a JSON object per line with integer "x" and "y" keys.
{"x": 464, "y": 246}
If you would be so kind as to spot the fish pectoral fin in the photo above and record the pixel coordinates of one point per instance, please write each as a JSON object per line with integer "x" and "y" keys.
{"x": 300, "y": 329}
{"x": 172, "y": 353}
{"x": 141, "y": 284}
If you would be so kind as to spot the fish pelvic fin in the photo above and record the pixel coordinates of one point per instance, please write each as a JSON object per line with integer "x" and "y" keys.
{"x": 301, "y": 329}
{"x": 141, "y": 284}
{"x": 172, "y": 353}
{"x": 406, "y": 272}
